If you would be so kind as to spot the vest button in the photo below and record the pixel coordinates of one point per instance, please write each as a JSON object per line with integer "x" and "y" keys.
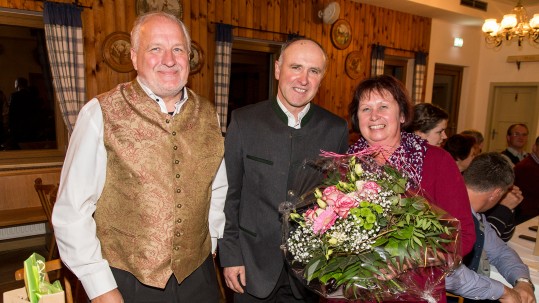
{"x": 174, "y": 133}
{"x": 177, "y": 162}
{"x": 179, "y": 190}
{"x": 177, "y": 176}
{"x": 176, "y": 248}
{"x": 179, "y": 206}
{"x": 178, "y": 234}
{"x": 175, "y": 147}
{"x": 179, "y": 221}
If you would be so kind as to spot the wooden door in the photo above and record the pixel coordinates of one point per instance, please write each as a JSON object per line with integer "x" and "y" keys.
{"x": 446, "y": 93}
{"x": 510, "y": 105}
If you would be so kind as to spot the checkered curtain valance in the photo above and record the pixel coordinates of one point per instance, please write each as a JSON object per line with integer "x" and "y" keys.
{"x": 63, "y": 33}
{"x": 420, "y": 69}
{"x": 377, "y": 60}
{"x": 222, "y": 65}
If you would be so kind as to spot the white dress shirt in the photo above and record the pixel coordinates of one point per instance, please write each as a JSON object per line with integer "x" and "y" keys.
{"x": 292, "y": 122}
{"x": 81, "y": 184}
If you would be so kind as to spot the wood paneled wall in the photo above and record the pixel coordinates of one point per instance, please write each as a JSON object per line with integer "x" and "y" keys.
{"x": 369, "y": 25}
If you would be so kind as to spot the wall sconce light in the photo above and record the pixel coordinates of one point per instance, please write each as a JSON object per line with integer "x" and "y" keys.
{"x": 458, "y": 42}
{"x": 331, "y": 13}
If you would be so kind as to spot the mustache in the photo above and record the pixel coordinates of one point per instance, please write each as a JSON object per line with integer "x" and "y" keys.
{"x": 164, "y": 68}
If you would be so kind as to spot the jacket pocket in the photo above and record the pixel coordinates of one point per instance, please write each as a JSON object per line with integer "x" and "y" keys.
{"x": 261, "y": 160}
{"x": 252, "y": 233}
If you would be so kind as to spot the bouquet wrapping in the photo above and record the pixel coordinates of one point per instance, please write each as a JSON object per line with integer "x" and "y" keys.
{"x": 353, "y": 230}
{"x": 36, "y": 279}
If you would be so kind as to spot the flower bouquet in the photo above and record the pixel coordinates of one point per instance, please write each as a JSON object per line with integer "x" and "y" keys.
{"x": 359, "y": 234}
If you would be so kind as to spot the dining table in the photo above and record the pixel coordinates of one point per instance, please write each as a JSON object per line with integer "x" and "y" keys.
{"x": 523, "y": 242}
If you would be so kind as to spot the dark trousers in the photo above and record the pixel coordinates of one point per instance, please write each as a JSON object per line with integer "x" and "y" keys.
{"x": 200, "y": 286}
{"x": 282, "y": 293}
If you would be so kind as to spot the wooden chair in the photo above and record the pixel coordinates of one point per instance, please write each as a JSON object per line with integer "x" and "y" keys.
{"x": 50, "y": 266}
{"x": 47, "y": 196}
{"x": 459, "y": 298}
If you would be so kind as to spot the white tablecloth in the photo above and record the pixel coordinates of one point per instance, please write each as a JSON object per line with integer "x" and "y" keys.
{"x": 524, "y": 248}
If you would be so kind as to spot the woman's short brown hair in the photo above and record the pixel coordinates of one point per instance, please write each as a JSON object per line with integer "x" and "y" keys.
{"x": 382, "y": 85}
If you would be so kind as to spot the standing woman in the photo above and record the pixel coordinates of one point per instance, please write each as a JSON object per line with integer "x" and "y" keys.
{"x": 380, "y": 110}
{"x": 429, "y": 123}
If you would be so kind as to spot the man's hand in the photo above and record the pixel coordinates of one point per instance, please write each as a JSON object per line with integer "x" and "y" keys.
{"x": 525, "y": 291}
{"x": 512, "y": 198}
{"x": 233, "y": 276}
{"x": 112, "y": 296}
{"x": 510, "y": 296}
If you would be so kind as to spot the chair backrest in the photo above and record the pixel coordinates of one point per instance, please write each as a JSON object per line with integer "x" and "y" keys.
{"x": 47, "y": 196}
{"x": 50, "y": 266}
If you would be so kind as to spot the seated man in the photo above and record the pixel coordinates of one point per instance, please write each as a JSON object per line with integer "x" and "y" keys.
{"x": 526, "y": 176}
{"x": 487, "y": 179}
{"x": 517, "y": 138}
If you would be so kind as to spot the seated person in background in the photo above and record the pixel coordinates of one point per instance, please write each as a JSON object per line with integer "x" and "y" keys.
{"x": 479, "y": 139}
{"x": 517, "y": 138}
{"x": 501, "y": 216}
{"x": 527, "y": 178}
{"x": 461, "y": 148}
{"x": 487, "y": 178}
{"x": 429, "y": 123}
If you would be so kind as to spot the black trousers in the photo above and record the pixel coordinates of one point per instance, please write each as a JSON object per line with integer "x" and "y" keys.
{"x": 200, "y": 286}
{"x": 282, "y": 293}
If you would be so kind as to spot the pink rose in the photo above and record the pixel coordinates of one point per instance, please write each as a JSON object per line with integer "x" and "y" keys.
{"x": 340, "y": 202}
{"x": 310, "y": 215}
{"x": 371, "y": 187}
{"x": 324, "y": 221}
{"x": 330, "y": 194}
{"x": 343, "y": 205}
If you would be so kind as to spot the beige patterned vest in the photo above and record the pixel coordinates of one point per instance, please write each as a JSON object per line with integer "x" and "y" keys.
{"x": 152, "y": 217}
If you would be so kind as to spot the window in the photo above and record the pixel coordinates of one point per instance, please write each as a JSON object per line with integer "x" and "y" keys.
{"x": 396, "y": 67}
{"x": 32, "y": 130}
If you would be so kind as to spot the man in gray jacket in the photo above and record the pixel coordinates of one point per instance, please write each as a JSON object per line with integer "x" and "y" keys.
{"x": 265, "y": 145}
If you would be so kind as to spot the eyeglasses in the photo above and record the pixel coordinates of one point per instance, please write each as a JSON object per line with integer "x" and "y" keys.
{"x": 519, "y": 135}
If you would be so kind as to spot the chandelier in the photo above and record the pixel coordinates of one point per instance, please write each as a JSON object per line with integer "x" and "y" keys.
{"x": 513, "y": 26}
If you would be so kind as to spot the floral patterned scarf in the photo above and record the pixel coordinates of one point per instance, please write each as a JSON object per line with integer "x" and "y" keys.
{"x": 408, "y": 157}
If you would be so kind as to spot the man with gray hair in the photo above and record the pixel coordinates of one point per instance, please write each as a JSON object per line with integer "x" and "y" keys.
{"x": 487, "y": 179}
{"x": 143, "y": 163}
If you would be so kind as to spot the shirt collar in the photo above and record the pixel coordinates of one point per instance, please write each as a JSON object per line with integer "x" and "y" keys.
{"x": 291, "y": 119}
{"x": 160, "y": 100}
{"x": 517, "y": 154}
{"x": 475, "y": 214}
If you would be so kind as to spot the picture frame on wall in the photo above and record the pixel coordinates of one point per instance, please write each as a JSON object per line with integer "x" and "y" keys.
{"x": 196, "y": 58}
{"x": 352, "y": 65}
{"x": 174, "y": 7}
{"x": 116, "y": 50}
{"x": 341, "y": 34}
